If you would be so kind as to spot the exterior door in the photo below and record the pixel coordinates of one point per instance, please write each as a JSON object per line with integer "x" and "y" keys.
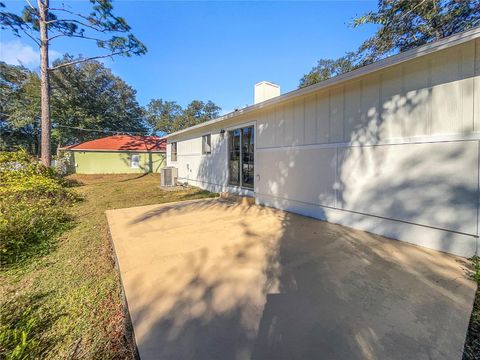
{"x": 241, "y": 152}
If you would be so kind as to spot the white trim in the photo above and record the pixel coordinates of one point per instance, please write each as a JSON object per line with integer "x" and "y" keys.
{"x": 135, "y": 164}
{"x": 427, "y": 49}
{"x": 202, "y": 136}
{"x": 190, "y": 154}
{"x": 462, "y": 244}
{"x": 365, "y": 214}
{"x": 222, "y": 187}
{"x": 399, "y": 141}
{"x": 241, "y": 126}
{"x": 268, "y": 83}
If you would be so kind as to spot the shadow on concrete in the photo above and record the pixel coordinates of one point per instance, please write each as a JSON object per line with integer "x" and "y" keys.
{"x": 292, "y": 288}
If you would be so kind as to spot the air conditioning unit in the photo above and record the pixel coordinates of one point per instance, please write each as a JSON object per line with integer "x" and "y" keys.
{"x": 168, "y": 176}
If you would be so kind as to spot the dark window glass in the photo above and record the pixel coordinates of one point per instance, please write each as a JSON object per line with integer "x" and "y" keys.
{"x": 174, "y": 151}
{"x": 241, "y": 147}
{"x": 234, "y": 156}
{"x": 247, "y": 157}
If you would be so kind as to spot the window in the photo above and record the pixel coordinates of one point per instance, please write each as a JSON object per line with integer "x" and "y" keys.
{"x": 234, "y": 157}
{"x": 174, "y": 151}
{"x": 241, "y": 157}
{"x": 206, "y": 144}
{"x": 135, "y": 161}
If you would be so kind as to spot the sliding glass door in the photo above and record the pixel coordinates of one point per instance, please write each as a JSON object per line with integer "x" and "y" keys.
{"x": 241, "y": 152}
{"x": 234, "y": 139}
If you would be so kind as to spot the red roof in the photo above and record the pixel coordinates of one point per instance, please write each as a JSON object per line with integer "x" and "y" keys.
{"x": 123, "y": 142}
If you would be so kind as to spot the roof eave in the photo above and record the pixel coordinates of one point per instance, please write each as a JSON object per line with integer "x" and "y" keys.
{"x": 112, "y": 150}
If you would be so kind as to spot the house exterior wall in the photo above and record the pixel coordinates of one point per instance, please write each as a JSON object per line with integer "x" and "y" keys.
{"x": 113, "y": 162}
{"x": 394, "y": 152}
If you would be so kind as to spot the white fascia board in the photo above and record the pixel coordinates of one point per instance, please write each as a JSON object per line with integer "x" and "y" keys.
{"x": 427, "y": 49}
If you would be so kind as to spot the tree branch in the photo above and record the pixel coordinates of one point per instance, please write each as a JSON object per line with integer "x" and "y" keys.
{"x": 77, "y": 22}
{"x": 31, "y": 37}
{"x": 86, "y": 59}
{"x": 70, "y": 12}
{"x": 23, "y": 27}
{"x": 32, "y": 7}
{"x": 75, "y": 36}
{"x": 409, "y": 11}
{"x": 89, "y": 19}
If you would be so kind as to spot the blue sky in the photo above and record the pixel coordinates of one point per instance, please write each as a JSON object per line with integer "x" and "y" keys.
{"x": 216, "y": 50}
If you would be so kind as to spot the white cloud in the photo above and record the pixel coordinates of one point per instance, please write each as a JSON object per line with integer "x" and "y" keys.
{"x": 16, "y": 53}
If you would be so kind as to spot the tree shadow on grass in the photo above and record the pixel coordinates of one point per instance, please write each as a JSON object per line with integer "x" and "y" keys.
{"x": 34, "y": 250}
{"x": 135, "y": 178}
{"x": 72, "y": 182}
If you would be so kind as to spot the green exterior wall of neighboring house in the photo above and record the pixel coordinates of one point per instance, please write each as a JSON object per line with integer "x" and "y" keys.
{"x": 113, "y": 162}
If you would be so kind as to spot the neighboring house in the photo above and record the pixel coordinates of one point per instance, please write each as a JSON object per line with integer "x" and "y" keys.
{"x": 391, "y": 148}
{"x": 117, "y": 154}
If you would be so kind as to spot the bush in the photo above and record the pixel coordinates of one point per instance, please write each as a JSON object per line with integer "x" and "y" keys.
{"x": 15, "y": 336}
{"x": 471, "y": 349}
{"x": 22, "y": 330}
{"x": 33, "y": 204}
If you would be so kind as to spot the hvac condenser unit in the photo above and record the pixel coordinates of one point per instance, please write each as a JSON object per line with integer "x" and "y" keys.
{"x": 168, "y": 176}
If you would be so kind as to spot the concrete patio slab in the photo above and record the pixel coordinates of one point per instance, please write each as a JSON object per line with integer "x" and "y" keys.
{"x": 212, "y": 279}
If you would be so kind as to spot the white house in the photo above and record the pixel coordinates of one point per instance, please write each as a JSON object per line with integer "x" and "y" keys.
{"x": 391, "y": 148}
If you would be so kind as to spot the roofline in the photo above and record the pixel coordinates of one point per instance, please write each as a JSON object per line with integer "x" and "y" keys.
{"x": 423, "y": 50}
{"x": 113, "y": 150}
{"x": 72, "y": 147}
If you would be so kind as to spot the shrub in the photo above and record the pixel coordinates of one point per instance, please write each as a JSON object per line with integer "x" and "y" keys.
{"x": 471, "y": 349}
{"x": 33, "y": 204}
{"x": 15, "y": 337}
{"x": 22, "y": 329}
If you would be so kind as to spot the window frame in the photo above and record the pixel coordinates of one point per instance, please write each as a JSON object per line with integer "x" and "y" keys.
{"x": 240, "y": 184}
{"x": 209, "y": 137}
{"x": 173, "y": 154}
{"x": 133, "y": 162}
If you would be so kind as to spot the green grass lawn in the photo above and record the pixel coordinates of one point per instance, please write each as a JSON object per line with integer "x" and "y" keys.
{"x": 472, "y": 342}
{"x": 68, "y": 302}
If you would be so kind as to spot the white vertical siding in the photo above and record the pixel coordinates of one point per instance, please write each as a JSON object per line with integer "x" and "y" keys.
{"x": 265, "y": 129}
{"x": 395, "y": 152}
{"x": 299, "y": 122}
{"x": 289, "y": 125}
{"x": 476, "y": 89}
{"x": 337, "y": 114}
{"x": 415, "y": 100}
{"x": 369, "y": 110}
{"x": 426, "y": 183}
{"x": 321, "y": 118}
{"x": 310, "y": 120}
{"x": 432, "y": 95}
{"x": 467, "y": 86}
{"x": 391, "y": 118}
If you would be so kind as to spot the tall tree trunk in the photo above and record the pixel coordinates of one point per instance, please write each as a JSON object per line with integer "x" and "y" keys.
{"x": 45, "y": 83}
